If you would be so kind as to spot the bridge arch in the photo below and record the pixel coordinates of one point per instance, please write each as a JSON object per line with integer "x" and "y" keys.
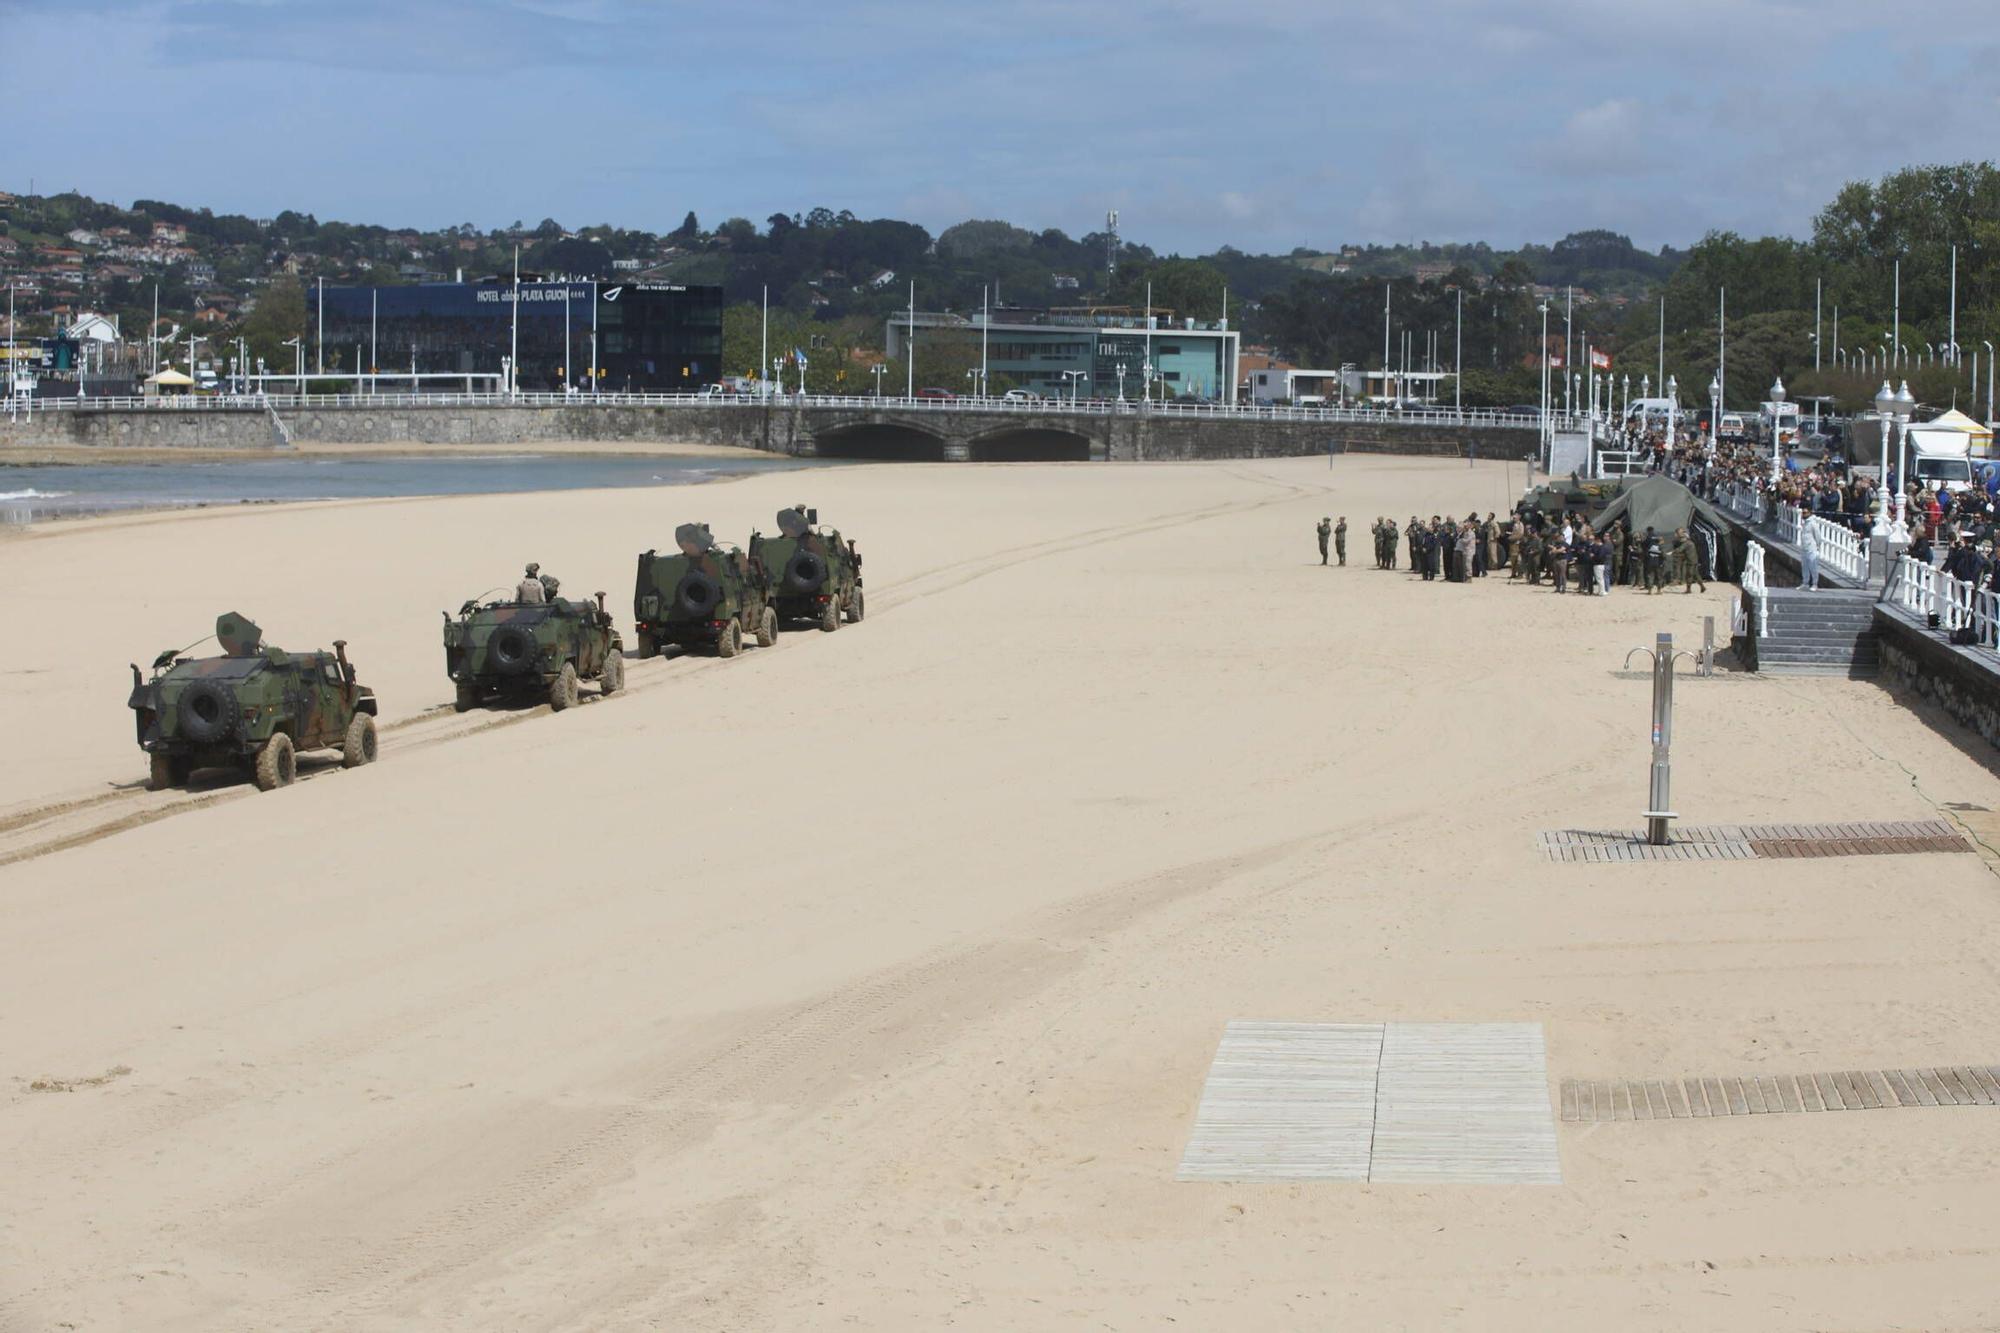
{"x": 1036, "y": 443}
{"x": 882, "y": 441}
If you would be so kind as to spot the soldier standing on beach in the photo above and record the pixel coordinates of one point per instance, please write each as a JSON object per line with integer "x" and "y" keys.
{"x": 1340, "y": 540}
{"x": 1687, "y": 562}
{"x": 1656, "y": 561}
{"x": 1390, "y": 540}
{"x": 1325, "y": 530}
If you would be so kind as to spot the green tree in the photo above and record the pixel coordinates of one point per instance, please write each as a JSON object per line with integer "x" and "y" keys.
{"x": 280, "y": 314}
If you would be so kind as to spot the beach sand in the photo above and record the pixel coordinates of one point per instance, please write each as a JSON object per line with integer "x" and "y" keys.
{"x": 870, "y": 981}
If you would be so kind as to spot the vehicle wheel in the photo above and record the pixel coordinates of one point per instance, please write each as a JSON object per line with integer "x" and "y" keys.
{"x": 512, "y": 650}
{"x": 767, "y": 628}
{"x": 697, "y": 594}
{"x": 276, "y": 764}
{"x": 829, "y": 615}
{"x": 207, "y": 712}
{"x": 649, "y": 647}
{"x": 729, "y": 641}
{"x": 856, "y": 608}
{"x": 160, "y": 775}
{"x": 467, "y": 698}
{"x": 562, "y": 690}
{"x": 804, "y": 572}
{"x": 359, "y": 747}
{"x": 612, "y": 678}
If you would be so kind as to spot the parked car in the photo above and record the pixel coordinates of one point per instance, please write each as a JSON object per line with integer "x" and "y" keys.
{"x": 1020, "y": 396}
{"x": 935, "y": 393}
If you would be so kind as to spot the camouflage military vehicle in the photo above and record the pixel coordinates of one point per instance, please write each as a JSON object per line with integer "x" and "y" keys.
{"x": 513, "y": 648}
{"x": 255, "y": 707}
{"x": 814, "y": 575}
{"x": 702, "y": 596}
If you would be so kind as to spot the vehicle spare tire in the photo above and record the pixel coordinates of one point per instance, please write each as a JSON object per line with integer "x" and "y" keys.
{"x": 511, "y": 650}
{"x": 697, "y": 595}
{"x": 805, "y": 571}
{"x": 206, "y": 711}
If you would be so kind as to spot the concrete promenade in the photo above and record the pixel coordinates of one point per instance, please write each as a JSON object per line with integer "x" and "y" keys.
{"x": 898, "y": 429}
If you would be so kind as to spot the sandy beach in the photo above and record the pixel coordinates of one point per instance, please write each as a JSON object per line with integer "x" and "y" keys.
{"x": 871, "y": 980}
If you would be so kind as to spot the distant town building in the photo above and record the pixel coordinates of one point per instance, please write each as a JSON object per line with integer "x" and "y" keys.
{"x": 649, "y": 336}
{"x": 1063, "y": 282}
{"x": 91, "y": 327}
{"x": 882, "y": 279}
{"x": 1046, "y": 350}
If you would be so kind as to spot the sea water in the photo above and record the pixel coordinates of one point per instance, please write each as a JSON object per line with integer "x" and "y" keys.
{"x": 32, "y": 494}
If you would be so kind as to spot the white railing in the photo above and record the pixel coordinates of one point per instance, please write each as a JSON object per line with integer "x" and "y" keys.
{"x": 1741, "y": 500}
{"x": 1926, "y": 591}
{"x": 1756, "y": 589}
{"x": 1840, "y": 548}
{"x": 1620, "y": 462}
{"x": 1099, "y": 407}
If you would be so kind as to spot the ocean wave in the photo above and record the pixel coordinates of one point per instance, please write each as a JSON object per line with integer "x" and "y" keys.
{"x": 32, "y": 494}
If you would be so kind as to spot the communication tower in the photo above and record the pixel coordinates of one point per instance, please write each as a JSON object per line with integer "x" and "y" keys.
{"x": 1111, "y": 243}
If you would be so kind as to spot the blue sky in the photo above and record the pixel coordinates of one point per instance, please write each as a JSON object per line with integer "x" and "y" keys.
{"x": 1285, "y": 123}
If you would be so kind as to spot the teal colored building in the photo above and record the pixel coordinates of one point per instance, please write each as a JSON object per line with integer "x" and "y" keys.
{"x": 1047, "y": 351}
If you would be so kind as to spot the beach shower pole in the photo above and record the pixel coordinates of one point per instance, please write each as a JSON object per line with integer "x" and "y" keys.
{"x": 1660, "y": 778}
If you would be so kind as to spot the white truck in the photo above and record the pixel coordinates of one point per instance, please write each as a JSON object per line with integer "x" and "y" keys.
{"x": 1938, "y": 456}
{"x": 1778, "y": 421}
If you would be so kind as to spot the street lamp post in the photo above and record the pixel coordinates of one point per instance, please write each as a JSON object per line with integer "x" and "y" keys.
{"x": 879, "y": 369}
{"x": 1544, "y": 308}
{"x": 1777, "y": 439}
{"x": 1714, "y": 411}
{"x": 1673, "y": 401}
{"x": 1121, "y": 381}
{"x": 298, "y": 346}
{"x": 1906, "y": 407}
{"x": 1991, "y": 366}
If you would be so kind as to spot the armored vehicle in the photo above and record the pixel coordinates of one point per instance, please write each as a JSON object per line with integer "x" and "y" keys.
{"x": 814, "y": 575}
{"x": 516, "y": 648}
{"x": 703, "y": 595}
{"x": 255, "y": 707}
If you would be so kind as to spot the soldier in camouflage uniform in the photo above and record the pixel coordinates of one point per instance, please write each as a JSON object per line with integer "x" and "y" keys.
{"x": 1687, "y": 562}
{"x": 1325, "y": 531}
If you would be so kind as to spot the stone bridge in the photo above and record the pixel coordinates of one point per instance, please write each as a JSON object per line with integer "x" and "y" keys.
{"x": 947, "y": 432}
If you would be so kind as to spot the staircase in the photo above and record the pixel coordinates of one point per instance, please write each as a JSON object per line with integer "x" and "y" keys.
{"x": 1826, "y": 633}
{"x": 281, "y": 434}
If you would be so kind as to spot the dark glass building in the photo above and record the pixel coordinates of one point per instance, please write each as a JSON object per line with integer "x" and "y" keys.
{"x": 639, "y": 336}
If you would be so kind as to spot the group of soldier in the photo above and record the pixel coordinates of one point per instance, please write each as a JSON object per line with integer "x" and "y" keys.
{"x": 1566, "y": 551}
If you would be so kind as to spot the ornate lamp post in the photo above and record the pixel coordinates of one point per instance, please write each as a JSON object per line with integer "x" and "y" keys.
{"x": 1885, "y": 510}
{"x": 1906, "y": 406}
{"x": 1714, "y": 411}
{"x": 1673, "y": 402}
{"x": 1777, "y": 442}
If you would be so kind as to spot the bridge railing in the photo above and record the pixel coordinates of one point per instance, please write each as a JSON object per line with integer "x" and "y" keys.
{"x": 1034, "y": 407}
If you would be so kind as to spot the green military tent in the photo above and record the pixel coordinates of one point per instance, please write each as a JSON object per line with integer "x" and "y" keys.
{"x": 1664, "y": 505}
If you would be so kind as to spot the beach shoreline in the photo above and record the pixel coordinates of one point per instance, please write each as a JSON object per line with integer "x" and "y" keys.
{"x": 23, "y": 455}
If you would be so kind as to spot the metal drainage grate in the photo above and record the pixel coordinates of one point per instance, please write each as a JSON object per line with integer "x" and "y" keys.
{"x": 1587, "y": 1100}
{"x": 1743, "y": 842}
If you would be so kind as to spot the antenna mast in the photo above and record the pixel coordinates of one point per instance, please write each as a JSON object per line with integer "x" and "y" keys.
{"x": 1111, "y": 243}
